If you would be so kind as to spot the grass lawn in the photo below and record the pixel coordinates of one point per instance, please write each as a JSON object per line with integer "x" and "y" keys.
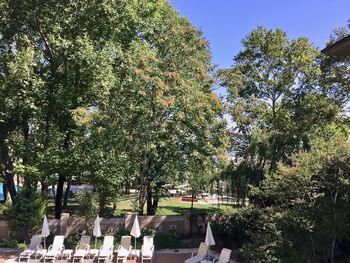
{"x": 167, "y": 206}
{"x": 171, "y": 206}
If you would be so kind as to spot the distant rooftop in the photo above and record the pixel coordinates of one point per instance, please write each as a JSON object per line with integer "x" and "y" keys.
{"x": 341, "y": 48}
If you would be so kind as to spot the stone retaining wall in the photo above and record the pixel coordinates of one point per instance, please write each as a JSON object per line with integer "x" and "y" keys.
{"x": 69, "y": 225}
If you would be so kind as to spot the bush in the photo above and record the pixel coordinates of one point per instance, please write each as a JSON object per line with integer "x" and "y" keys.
{"x": 26, "y": 212}
{"x": 148, "y": 231}
{"x": 71, "y": 241}
{"x": 88, "y": 205}
{"x": 10, "y": 243}
{"x": 173, "y": 235}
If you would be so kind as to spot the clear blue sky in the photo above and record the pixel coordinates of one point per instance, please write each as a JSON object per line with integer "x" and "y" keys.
{"x": 225, "y": 22}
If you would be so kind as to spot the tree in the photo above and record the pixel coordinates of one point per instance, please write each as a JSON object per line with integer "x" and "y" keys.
{"x": 307, "y": 205}
{"x": 26, "y": 213}
{"x": 107, "y": 95}
{"x": 275, "y": 100}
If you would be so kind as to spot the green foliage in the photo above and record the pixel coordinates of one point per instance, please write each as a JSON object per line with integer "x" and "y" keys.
{"x": 305, "y": 208}
{"x": 9, "y": 243}
{"x": 106, "y": 92}
{"x": 171, "y": 240}
{"x": 173, "y": 235}
{"x": 274, "y": 98}
{"x": 148, "y": 231}
{"x": 27, "y": 212}
{"x": 87, "y": 201}
{"x": 71, "y": 241}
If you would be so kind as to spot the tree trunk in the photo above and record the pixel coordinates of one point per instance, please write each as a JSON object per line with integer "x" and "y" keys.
{"x": 149, "y": 200}
{"x": 155, "y": 203}
{"x": 192, "y": 200}
{"x": 28, "y": 182}
{"x": 44, "y": 190}
{"x": 141, "y": 200}
{"x": 66, "y": 194}
{"x": 9, "y": 170}
{"x": 102, "y": 205}
{"x": 59, "y": 196}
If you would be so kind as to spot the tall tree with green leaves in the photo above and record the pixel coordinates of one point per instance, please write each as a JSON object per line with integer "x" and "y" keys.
{"x": 111, "y": 92}
{"x": 274, "y": 97}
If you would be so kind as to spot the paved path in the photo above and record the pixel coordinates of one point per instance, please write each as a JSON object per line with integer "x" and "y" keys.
{"x": 160, "y": 256}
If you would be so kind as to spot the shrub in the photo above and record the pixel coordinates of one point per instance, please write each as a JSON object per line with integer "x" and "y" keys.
{"x": 71, "y": 241}
{"x": 173, "y": 235}
{"x": 26, "y": 212}
{"x": 10, "y": 243}
{"x": 88, "y": 205}
{"x": 148, "y": 231}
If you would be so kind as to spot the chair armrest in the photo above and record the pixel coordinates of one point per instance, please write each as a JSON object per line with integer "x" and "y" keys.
{"x": 119, "y": 247}
{"x": 215, "y": 259}
{"x": 76, "y": 248}
{"x": 49, "y": 248}
{"x": 193, "y": 253}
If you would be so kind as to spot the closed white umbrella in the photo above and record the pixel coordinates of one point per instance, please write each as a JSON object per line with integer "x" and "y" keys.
{"x": 97, "y": 229}
{"x": 45, "y": 231}
{"x": 135, "y": 230}
{"x": 209, "y": 239}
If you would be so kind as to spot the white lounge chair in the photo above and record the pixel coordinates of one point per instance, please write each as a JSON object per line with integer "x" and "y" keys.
{"x": 198, "y": 256}
{"x": 147, "y": 249}
{"x": 32, "y": 248}
{"x": 124, "y": 248}
{"x": 106, "y": 251}
{"x": 82, "y": 250}
{"x": 55, "y": 250}
{"x": 224, "y": 256}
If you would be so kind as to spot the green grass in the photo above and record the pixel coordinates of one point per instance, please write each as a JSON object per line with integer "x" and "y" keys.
{"x": 167, "y": 206}
{"x": 170, "y": 206}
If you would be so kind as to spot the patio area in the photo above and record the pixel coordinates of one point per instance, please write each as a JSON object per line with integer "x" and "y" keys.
{"x": 160, "y": 256}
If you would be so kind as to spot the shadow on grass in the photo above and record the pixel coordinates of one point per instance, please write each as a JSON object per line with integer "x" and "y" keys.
{"x": 181, "y": 210}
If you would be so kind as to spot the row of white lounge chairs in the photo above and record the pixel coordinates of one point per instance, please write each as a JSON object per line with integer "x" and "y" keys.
{"x": 83, "y": 250}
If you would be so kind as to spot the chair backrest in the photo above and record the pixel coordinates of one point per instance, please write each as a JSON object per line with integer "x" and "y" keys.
{"x": 35, "y": 242}
{"x": 57, "y": 243}
{"x": 107, "y": 242}
{"x": 225, "y": 255}
{"x": 125, "y": 242}
{"x": 147, "y": 241}
{"x": 84, "y": 242}
{"x": 202, "y": 250}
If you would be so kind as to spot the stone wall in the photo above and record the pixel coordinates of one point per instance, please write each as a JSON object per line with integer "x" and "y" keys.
{"x": 69, "y": 225}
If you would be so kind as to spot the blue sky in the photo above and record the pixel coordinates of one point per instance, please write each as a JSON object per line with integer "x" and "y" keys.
{"x": 225, "y": 22}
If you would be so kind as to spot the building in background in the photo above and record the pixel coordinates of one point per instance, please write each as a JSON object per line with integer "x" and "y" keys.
{"x": 341, "y": 48}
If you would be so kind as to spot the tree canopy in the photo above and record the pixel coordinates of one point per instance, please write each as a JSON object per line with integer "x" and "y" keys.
{"x": 111, "y": 93}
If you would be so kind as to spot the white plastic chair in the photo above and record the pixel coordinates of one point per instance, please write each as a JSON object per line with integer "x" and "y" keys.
{"x": 32, "y": 248}
{"x": 55, "y": 250}
{"x": 198, "y": 255}
{"x": 224, "y": 256}
{"x": 106, "y": 251}
{"x": 124, "y": 248}
{"x": 147, "y": 249}
{"x": 83, "y": 249}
